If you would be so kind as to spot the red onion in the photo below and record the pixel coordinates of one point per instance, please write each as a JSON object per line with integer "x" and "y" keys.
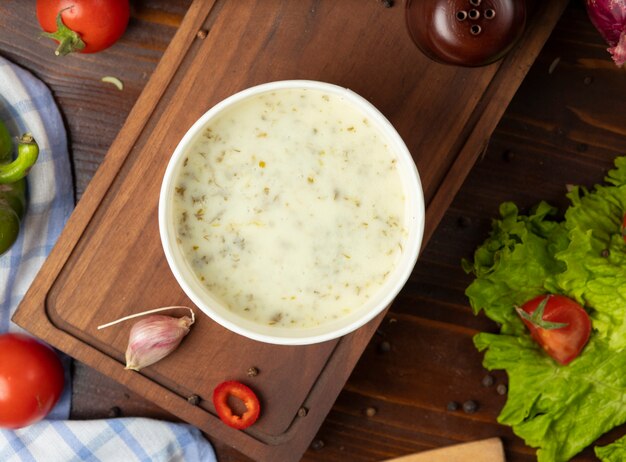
{"x": 609, "y": 17}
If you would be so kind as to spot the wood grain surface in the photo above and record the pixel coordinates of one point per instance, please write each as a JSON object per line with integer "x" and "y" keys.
{"x": 111, "y": 243}
{"x": 487, "y": 450}
{"x": 563, "y": 126}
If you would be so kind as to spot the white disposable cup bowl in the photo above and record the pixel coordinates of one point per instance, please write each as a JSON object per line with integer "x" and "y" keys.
{"x": 414, "y": 223}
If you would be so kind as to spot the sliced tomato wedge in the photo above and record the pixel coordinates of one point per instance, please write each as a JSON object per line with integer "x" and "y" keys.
{"x": 238, "y": 390}
{"x": 558, "y": 324}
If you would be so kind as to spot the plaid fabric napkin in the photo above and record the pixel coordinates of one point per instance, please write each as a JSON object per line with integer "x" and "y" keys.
{"x": 26, "y": 105}
{"x": 131, "y": 439}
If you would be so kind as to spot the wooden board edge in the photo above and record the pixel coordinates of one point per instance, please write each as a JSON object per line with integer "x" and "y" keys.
{"x": 327, "y": 385}
{"x": 144, "y": 386}
{"x": 118, "y": 152}
{"x": 486, "y": 450}
{"x": 287, "y": 447}
{"x": 501, "y": 90}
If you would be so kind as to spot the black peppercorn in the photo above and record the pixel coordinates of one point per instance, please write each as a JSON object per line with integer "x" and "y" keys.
{"x": 452, "y": 406}
{"x": 194, "y": 400}
{"x": 470, "y": 406}
{"x": 508, "y": 155}
{"x": 501, "y": 389}
{"x": 317, "y": 445}
{"x": 488, "y": 380}
{"x": 463, "y": 222}
{"x": 384, "y": 347}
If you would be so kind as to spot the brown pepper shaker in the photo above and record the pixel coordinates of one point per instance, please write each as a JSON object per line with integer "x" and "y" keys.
{"x": 465, "y": 32}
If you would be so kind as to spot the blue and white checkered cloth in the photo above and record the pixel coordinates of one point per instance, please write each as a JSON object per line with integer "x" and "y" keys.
{"x": 26, "y": 105}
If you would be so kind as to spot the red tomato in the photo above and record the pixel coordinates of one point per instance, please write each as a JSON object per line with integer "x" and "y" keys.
{"x": 98, "y": 23}
{"x": 557, "y": 323}
{"x": 31, "y": 380}
{"x": 237, "y": 390}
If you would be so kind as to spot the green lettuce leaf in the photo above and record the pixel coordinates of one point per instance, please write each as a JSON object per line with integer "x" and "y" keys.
{"x": 558, "y": 409}
{"x": 614, "y": 452}
{"x": 593, "y": 222}
{"x": 514, "y": 262}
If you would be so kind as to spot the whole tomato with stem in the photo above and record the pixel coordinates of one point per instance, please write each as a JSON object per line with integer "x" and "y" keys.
{"x": 31, "y": 380}
{"x": 85, "y": 26}
{"x": 558, "y": 324}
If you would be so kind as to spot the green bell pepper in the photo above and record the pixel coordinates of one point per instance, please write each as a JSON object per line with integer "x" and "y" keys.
{"x": 27, "y": 153}
{"x": 6, "y": 144}
{"x": 13, "y": 184}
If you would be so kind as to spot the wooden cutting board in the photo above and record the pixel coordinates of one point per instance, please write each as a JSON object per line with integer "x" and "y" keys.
{"x": 489, "y": 450}
{"x": 109, "y": 263}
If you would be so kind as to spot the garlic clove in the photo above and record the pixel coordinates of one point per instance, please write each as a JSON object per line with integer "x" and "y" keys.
{"x": 153, "y": 338}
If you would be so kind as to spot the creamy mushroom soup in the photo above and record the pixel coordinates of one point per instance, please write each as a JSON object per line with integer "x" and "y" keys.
{"x": 289, "y": 208}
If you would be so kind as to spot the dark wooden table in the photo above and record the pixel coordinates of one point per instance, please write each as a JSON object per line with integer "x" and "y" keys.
{"x": 565, "y": 125}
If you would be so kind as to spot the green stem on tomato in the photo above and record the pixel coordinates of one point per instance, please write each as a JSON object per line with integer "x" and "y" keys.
{"x": 536, "y": 319}
{"x": 69, "y": 40}
{"x": 27, "y": 153}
